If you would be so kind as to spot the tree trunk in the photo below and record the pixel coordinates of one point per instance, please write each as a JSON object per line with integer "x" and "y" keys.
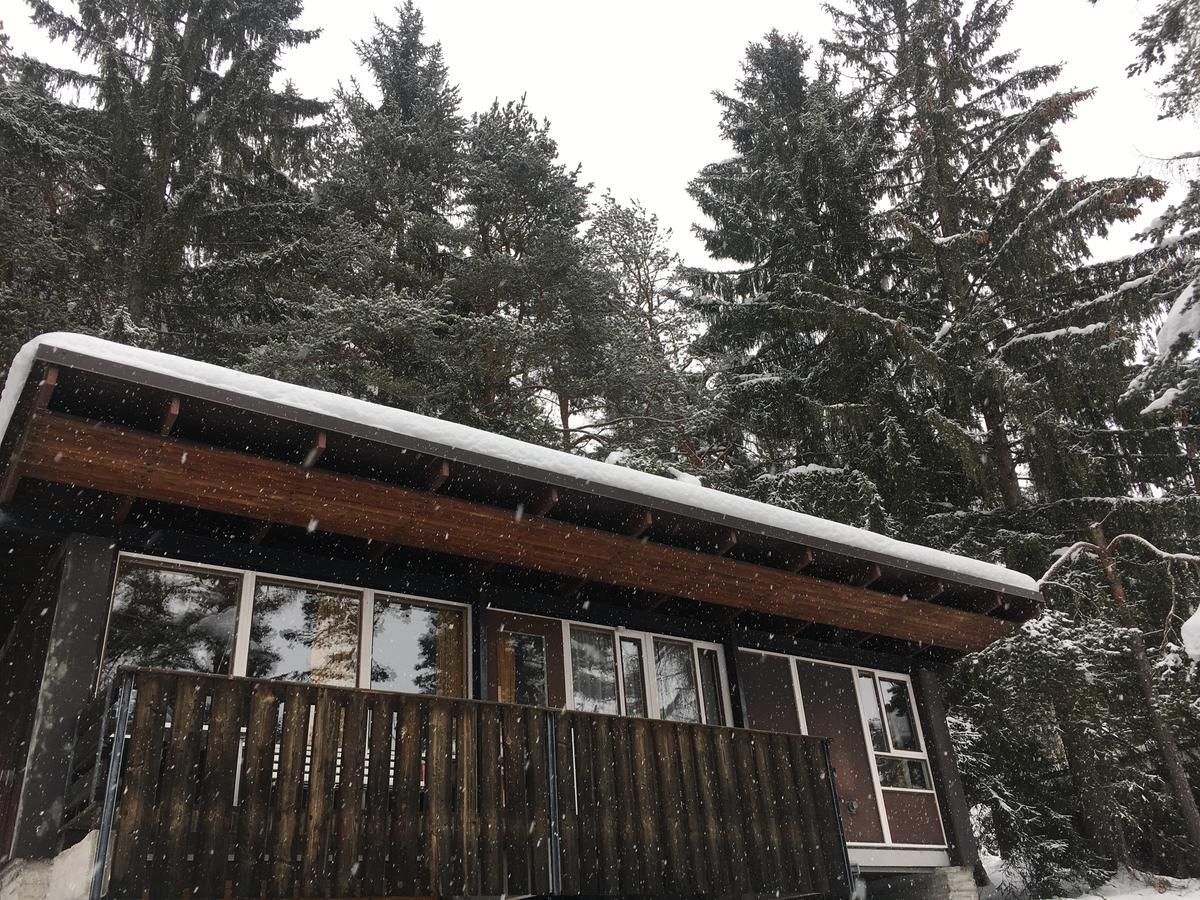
{"x": 1002, "y": 457}
{"x": 1181, "y": 788}
{"x": 1191, "y": 449}
{"x": 1100, "y": 823}
{"x": 564, "y": 415}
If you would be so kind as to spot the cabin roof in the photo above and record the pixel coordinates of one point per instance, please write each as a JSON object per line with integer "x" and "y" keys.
{"x": 474, "y": 447}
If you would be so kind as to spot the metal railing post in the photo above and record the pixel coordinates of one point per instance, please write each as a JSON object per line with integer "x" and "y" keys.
{"x": 111, "y": 786}
{"x": 552, "y": 771}
{"x": 831, "y": 773}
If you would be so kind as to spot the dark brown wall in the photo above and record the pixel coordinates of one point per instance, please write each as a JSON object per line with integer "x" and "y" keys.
{"x": 913, "y": 818}
{"x": 831, "y": 710}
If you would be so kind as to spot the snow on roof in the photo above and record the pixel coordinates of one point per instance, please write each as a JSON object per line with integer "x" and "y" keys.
{"x": 481, "y": 448}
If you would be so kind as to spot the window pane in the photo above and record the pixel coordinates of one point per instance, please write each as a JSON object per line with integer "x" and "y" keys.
{"x": 634, "y": 674}
{"x": 768, "y": 692}
{"x": 870, "y": 707}
{"x": 710, "y": 680}
{"x": 899, "y": 715}
{"x": 593, "y": 671}
{"x": 902, "y": 773}
{"x": 677, "y": 696}
{"x": 522, "y": 669}
{"x": 304, "y": 633}
{"x": 169, "y": 617}
{"x": 418, "y": 648}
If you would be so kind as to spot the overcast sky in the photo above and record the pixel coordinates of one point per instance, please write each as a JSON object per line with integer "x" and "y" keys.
{"x": 627, "y": 84}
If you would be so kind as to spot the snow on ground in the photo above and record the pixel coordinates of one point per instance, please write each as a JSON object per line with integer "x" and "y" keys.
{"x": 1125, "y": 885}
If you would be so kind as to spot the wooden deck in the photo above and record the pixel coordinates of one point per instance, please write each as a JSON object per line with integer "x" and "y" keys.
{"x": 233, "y": 787}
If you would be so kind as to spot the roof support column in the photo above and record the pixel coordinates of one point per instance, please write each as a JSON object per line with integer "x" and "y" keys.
{"x": 736, "y": 707}
{"x": 68, "y": 679}
{"x": 956, "y": 813}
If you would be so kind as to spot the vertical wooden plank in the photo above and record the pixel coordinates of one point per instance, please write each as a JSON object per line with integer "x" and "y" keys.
{"x": 216, "y": 787}
{"x": 733, "y": 822}
{"x": 133, "y": 829}
{"x": 693, "y": 819}
{"x": 468, "y": 799}
{"x": 259, "y": 767}
{"x": 350, "y": 796}
{"x": 377, "y": 824}
{"x": 646, "y": 789}
{"x": 671, "y": 823}
{"x": 628, "y": 840}
{"x": 753, "y": 815}
{"x": 769, "y": 814}
{"x": 177, "y": 792}
{"x": 323, "y": 744}
{"x": 606, "y": 803}
{"x": 516, "y": 826}
{"x": 568, "y": 815}
{"x": 716, "y": 845}
{"x": 797, "y": 870}
{"x": 589, "y": 836}
{"x": 437, "y": 792}
{"x": 537, "y": 789}
{"x": 491, "y": 818}
{"x": 407, "y": 847}
{"x": 288, "y": 797}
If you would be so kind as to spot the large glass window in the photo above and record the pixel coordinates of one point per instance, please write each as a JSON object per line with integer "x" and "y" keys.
{"x": 870, "y": 708}
{"x": 899, "y": 715}
{"x": 304, "y": 633}
{"x": 594, "y": 671}
{"x": 678, "y": 697}
{"x": 418, "y": 647}
{"x": 171, "y": 617}
{"x": 522, "y": 668}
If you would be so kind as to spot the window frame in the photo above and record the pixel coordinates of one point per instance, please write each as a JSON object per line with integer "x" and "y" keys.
{"x": 245, "y": 612}
{"x": 649, "y": 668}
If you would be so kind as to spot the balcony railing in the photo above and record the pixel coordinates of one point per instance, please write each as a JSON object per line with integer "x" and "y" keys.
{"x": 234, "y": 787}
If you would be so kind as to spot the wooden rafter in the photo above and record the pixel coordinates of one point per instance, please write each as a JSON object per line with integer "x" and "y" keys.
{"x": 63, "y": 449}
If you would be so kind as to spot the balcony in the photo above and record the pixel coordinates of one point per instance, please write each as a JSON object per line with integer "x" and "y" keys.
{"x": 236, "y": 787}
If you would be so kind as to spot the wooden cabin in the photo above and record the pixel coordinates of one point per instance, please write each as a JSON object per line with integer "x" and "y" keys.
{"x": 264, "y": 641}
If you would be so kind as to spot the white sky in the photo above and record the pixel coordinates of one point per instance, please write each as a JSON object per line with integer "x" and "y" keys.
{"x": 627, "y": 85}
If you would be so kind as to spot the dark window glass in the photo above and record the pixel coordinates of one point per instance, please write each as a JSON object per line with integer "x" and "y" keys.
{"x": 522, "y": 668}
{"x": 594, "y": 671}
{"x": 870, "y": 707}
{"x": 768, "y": 692}
{"x": 634, "y": 674}
{"x": 418, "y": 648}
{"x": 902, "y": 773}
{"x": 899, "y": 715}
{"x": 304, "y": 633}
{"x": 678, "y": 698}
{"x": 171, "y": 617}
{"x": 710, "y": 681}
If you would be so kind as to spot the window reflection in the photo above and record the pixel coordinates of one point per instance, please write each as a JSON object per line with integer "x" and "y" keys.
{"x": 678, "y": 698}
{"x": 593, "y": 671}
{"x": 899, "y": 715}
{"x": 634, "y": 674}
{"x": 170, "y": 617}
{"x": 418, "y": 648}
{"x": 902, "y": 773}
{"x": 304, "y": 633}
{"x": 870, "y": 705}
{"x": 522, "y": 668}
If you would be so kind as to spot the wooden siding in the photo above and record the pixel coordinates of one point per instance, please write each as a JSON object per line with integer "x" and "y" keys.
{"x": 62, "y": 449}
{"x": 243, "y": 788}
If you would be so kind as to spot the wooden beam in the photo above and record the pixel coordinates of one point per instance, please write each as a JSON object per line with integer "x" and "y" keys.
{"x": 101, "y": 457}
{"x": 436, "y": 474}
{"x": 41, "y": 399}
{"x": 165, "y": 426}
{"x": 315, "y": 451}
{"x": 868, "y": 576}
{"x": 800, "y": 562}
{"x": 638, "y": 524}
{"x": 545, "y": 502}
{"x": 931, "y": 591}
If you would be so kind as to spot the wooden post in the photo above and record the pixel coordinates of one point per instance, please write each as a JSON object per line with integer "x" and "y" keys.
{"x": 736, "y": 707}
{"x": 956, "y": 812}
{"x": 479, "y": 656}
{"x": 1181, "y": 787}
